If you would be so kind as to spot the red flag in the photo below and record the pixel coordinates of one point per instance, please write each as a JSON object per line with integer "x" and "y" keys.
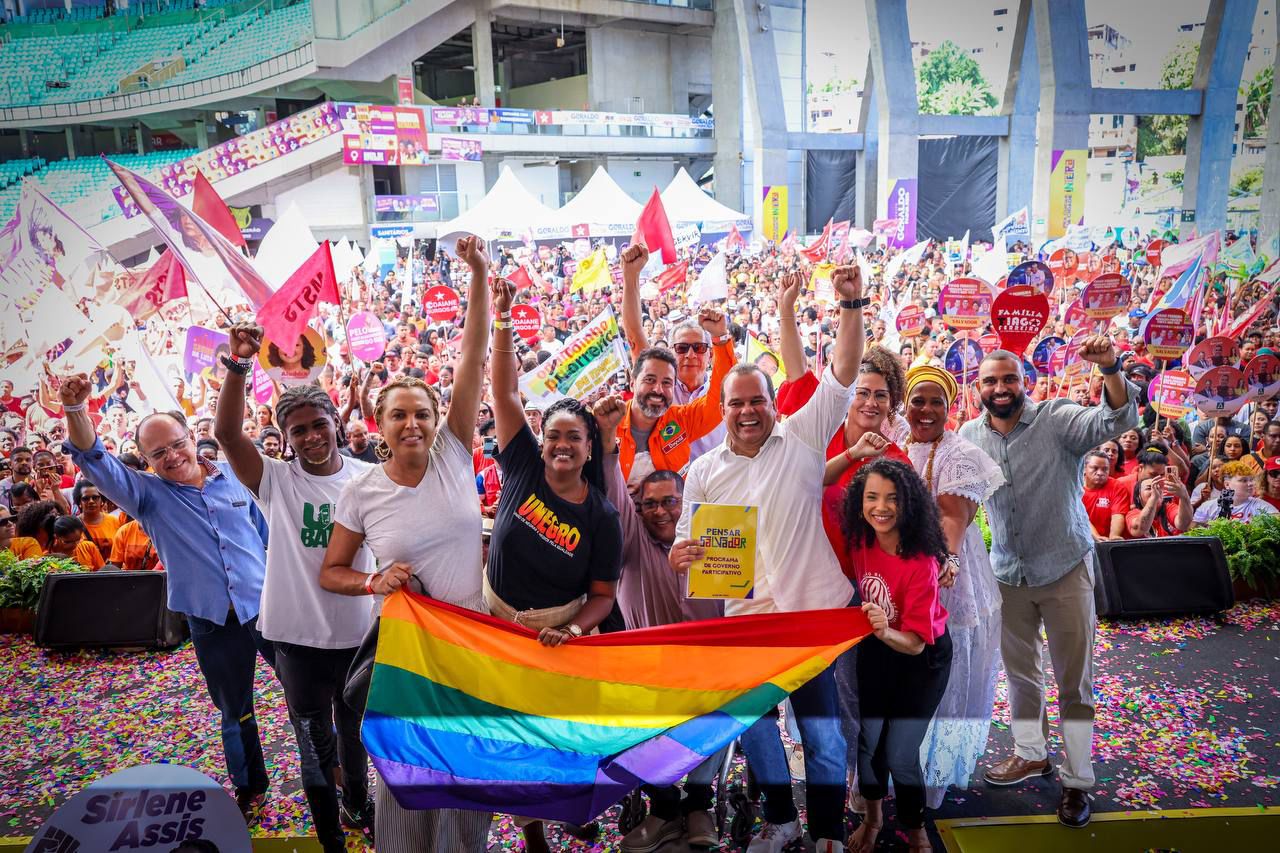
{"x": 1242, "y": 323}
{"x": 655, "y": 229}
{"x": 520, "y": 278}
{"x": 164, "y": 282}
{"x": 735, "y": 240}
{"x": 672, "y": 276}
{"x": 789, "y": 242}
{"x": 840, "y": 250}
{"x": 210, "y": 207}
{"x": 287, "y": 312}
{"x": 818, "y": 251}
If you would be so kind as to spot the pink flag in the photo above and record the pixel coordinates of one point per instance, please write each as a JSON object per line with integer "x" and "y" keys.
{"x": 655, "y": 228}
{"x": 287, "y": 312}
{"x": 520, "y": 278}
{"x": 818, "y": 251}
{"x": 164, "y": 282}
{"x": 841, "y": 251}
{"x": 210, "y": 207}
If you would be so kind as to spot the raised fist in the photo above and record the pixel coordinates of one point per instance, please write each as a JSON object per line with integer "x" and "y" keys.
{"x": 74, "y": 389}
{"x": 245, "y": 339}
{"x": 634, "y": 257}
{"x": 609, "y": 411}
{"x": 471, "y": 250}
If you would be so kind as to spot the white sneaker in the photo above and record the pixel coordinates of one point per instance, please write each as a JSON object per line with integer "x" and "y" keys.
{"x": 774, "y": 836}
{"x": 826, "y": 845}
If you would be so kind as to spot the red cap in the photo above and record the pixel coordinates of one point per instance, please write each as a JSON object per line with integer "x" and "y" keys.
{"x": 1273, "y": 464}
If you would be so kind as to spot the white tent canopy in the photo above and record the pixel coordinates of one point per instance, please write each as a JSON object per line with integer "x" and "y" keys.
{"x": 600, "y": 201}
{"x": 685, "y": 201}
{"x": 508, "y": 207}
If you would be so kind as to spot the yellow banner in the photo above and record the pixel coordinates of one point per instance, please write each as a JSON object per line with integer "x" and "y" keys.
{"x": 767, "y": 360}
{"x": 592, "y": 273}
{"x": 1066, "y": 190}
{"x": 727, "y": 569}
{"x": 775, "y": 213}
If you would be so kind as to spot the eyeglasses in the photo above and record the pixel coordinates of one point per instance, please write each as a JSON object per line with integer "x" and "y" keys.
{"x": 665, "y": 503}
{"x": 7, "y": 521}
{"x": 865, "y": 394}
{"x": 683, "y": 349}
{"x": 84, "y": 499}
{"x": 163, "y": 452}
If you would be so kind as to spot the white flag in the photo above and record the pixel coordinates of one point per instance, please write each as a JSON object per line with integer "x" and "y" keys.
{"x": 712, "y": 283}
{"x": 910, "y": 256}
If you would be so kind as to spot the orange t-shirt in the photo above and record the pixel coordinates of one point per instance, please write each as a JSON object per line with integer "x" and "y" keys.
{"x": 132, "y": 549}
{"x": 24, "y": 547}
{"x": 103, "y": 533}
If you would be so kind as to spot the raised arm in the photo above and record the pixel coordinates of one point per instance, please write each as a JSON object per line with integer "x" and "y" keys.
{"x": 508, "y": 411}
{"x": 847, "y": 353}
{"x": 468, "y": 376}
{"x": 793, "y": 361}
{"x": 246, "y": 463}
{"x": 634, "y": 258}
{"x": 117, "y": 481}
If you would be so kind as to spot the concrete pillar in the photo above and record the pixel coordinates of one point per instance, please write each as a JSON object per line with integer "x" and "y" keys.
{"x": 726, "y": 86}
{"x": 769, "y": 120}
{"x": 1015, "y": 174}
{"x": 865, "y": 183}
{"x": 897, "y": 110}
{"x": 202, "y": 134}
{"x": 1228, "y": 29}
{"x": 24, "y": 142}
{"x": 140, "y": 137}
{"x": 482, "y": 57}
{"x": 71, "y": 144}
{"x": 1269, "y": 218}
{"x": 1065, "y": 91}
{"x": 117, "y": 138}
{"x": 492, "y": 169}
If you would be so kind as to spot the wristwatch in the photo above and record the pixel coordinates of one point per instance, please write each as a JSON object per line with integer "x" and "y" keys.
{"x": 855, "y": 304}
{"x": 573, "y": 630}
{"x": 1112, "y": 370}
{"x": 724, "y": 339}
{"x": 236, "y": 365}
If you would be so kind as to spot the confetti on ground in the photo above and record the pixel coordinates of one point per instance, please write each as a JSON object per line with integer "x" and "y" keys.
{"x": 1186, "y": 716}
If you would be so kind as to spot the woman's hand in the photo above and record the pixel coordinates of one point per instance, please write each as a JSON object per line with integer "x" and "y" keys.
{"x": 871, "y": 444}
{"x": 503, "y": 294}
{"x": 391, "y": 578}
{"x": 684, "y": 553}
{"x": 471, "y": 250}
{"x": 553, "y": 637}
{"x": 950, "y": 570}
{"x": 246, "y": 339}
{"x": 876, "y": 616}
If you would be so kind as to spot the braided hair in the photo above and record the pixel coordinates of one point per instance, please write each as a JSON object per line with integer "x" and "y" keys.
{"x": 301, "y": 396}
{"x": 918, "y": 523}
{"x": 593, "y": 469}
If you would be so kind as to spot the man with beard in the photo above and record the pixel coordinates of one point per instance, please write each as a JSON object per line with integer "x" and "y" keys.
{"x": 1040, "y": 551}
{"x": 689, "y": 341}
{"x": 212, "y": 542}
{"x": 358, "y": 444}
{"x": 21, "y": 464}
{"x": 316, "y": 633}
{"x": 656, "y": 435}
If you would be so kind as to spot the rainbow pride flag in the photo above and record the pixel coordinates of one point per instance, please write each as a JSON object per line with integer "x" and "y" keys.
{"x": 468, "y": 711}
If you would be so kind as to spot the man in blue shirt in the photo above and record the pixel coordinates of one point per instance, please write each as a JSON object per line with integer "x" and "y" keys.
{"x": 212, "y": 541}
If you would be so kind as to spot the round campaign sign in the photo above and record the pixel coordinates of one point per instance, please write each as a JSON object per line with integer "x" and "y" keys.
{"x": 366, "y": 336}
{"x": 1044, "y": 351}
{"x": 441, "y": 303}
{"x": 1129, "y": 237}
{"x": 1262, "y": 374}
{"x": 154, "y": 807}
{"x": 526, "y": 320}
{"x": 302, "y": 368}
{"x": 1034, "y": 273}
{"x": 911, "y": 321}
{"x": 1066, "y": 360}
{"x": 989, "y": 343}
{"x": 1018, "y": 315}
{"x": 1221, "y": 391}
{"x": 263, "y": 388}
{"x": 1220, "y": 351}
{"x": 965, "y": 303}
{"x": 1168, "y": 333}
{"x": 1063, "y": 262}
{"x": 1153, "y": 250}
{"x": 1032, "y": 375}
{"x": 1109, "y": 263}
{"x": 962, "y": 359}
{"x": 1074, "y": 318}
{"x": 1170, "y": 393}
{"x": 1106, "y": 296}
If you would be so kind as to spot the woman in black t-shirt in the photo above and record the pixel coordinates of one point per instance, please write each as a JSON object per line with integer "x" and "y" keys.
{"x": 556, "y": 548}
{"x": 555, "y": 552}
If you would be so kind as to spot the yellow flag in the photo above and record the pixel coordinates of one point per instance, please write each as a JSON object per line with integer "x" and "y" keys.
{"x": 592, "y": 273}
{"x": 820, "y": 283}
{"x": 767, "y": 360}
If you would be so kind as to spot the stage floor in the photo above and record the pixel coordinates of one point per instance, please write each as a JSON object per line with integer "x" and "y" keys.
{"x": 1188, "y": 717}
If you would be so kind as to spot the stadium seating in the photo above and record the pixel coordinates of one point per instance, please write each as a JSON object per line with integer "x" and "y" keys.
{"x": 61, "y": 68}
{"x": 75, "y": 181}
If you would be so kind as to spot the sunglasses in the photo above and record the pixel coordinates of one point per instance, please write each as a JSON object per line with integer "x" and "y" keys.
{"x": 683, "y": 349}
{"x": 1274, "y": 473}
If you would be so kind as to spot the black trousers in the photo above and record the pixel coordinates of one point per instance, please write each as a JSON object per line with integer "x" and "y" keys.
{"x": 898, "y": 695}
{"x": 313, "y": 680}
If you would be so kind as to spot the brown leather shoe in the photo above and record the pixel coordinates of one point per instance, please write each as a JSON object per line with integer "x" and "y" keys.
{"x": 1015, "y": 769}
{"x": 1074, "y": 810}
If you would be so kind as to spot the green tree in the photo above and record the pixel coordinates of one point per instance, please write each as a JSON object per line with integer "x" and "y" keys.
{"x": 1178, "y": 72}
{"x": 1257, "y": 101}
{"x": 1247, "y": 182}
{"x": 950, "y": 82}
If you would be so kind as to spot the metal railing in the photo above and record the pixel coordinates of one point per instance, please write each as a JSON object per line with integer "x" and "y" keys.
{"x": 282, "y": 63}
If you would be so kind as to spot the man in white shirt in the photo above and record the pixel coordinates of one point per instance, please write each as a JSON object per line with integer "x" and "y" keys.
{"x": 778, "y": 467}
{"x": 316, "y": 633}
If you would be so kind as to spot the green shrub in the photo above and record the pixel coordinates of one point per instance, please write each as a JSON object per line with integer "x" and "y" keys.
{"x": 984, "y": 527}
{"x": 22, "y": 580}
{"x": 1252, "y": 549}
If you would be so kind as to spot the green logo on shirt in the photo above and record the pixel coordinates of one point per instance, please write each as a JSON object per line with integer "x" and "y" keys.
{"x": 317, "y": 524}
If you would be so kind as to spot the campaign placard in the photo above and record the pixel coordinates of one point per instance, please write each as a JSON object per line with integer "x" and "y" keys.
{"x": 441, "y": 303}
{"x": 366, "y": 336}
{"x": 1063, "y": 262}
{"x": 962, "y": 359}
{"x": 911, "y": 321}
{"x": 1153, "y": 250}
{"x": 1170, "y": 393}
{"x": 727, "y": 568}
{"x": 1262, "y": 374}
{"x": 1168, "y": 333}
{"x": 1044, "y": 351}
{"x": 1034, "y": 273}
{"x": 1018, "y": 315}
{"x": 1221, "y": 391}
{"x": 302, "y": 368}
{"x": 1220, "y": 351}
{"x": 1106, "y": 296}
{"x": 526, "y": 321}
{"x": 965, "y": 303}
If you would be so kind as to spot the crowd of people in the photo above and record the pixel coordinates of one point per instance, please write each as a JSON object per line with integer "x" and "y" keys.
{"x": 868, "y": 458}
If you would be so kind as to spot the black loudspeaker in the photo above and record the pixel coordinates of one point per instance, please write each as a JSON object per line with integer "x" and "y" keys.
{"x": 1176, "y": 576}
{"x": 107, "y": 609}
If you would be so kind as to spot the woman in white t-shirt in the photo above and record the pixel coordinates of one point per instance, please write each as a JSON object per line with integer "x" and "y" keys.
{"x": 417, "y": 512}
{"x": 316, "y": 633}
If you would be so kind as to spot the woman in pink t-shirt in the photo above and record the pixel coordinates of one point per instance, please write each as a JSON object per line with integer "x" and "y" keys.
{"x": 895, "y": 547}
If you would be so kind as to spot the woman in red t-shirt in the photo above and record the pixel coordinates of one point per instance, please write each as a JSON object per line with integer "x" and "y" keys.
{"x": 895, "y": 546}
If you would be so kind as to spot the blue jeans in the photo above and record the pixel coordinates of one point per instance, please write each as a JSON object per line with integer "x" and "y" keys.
{"x": 817, "y": 712}
{"x": 227, "y": 655}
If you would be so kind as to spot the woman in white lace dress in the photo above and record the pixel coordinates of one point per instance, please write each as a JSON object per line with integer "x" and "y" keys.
{"x": 960, "y": 476}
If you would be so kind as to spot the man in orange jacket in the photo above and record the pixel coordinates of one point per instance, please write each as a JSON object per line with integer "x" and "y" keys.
{"x": 656, "y": 435}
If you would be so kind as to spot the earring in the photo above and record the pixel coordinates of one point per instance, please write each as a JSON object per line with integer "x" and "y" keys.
{"x": 382, "y": 451}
